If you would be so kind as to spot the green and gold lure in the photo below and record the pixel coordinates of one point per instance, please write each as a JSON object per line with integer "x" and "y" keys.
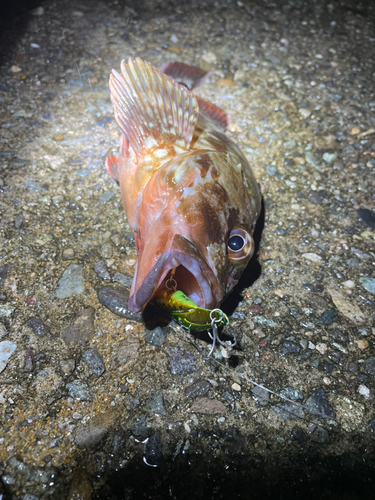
{"x": 187, "y": 313}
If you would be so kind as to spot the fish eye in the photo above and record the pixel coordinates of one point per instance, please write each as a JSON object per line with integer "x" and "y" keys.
{"x": 240, "y": 245}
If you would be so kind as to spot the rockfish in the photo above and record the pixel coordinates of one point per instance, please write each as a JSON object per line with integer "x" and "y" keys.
{"x": 187, "y": 189}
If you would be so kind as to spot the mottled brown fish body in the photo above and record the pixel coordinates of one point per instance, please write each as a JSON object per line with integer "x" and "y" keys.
{"x": 187, "y": 189}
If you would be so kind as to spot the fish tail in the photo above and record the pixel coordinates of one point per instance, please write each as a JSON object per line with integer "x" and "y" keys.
{"x": 151, "y": 108}
{"x": 189, "y": 76}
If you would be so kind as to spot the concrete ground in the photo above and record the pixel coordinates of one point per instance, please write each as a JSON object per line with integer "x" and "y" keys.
{"x": 100, "y": 403}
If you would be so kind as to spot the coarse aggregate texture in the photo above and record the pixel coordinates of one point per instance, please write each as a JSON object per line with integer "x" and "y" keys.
{"x": 97, "y": 402}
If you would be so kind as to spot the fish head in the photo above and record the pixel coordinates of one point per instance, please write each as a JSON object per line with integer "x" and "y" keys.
{"x": 195, "y": 231}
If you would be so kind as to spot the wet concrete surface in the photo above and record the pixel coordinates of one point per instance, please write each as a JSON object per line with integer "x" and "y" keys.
{"x": 99, "y": 403}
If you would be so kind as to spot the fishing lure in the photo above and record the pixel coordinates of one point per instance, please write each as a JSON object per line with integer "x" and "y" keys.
{"x": 190, "y": 316}
{"x": 187, "y": 313}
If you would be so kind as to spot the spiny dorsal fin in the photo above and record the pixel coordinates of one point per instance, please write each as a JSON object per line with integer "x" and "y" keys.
{"x": 150, "y": 107}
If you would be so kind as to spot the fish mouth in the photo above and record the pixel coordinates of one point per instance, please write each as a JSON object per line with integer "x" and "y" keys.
{"x": 191, "y": 274}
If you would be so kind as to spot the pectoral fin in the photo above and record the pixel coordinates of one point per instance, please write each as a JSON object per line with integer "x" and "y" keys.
{"x": 111, "y": 163}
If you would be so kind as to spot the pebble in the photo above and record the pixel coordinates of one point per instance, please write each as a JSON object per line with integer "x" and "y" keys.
{"x": 370, "y": 365}
{"x": 362, "y": 344}
{"x": 106, "y": 251}
{"x": 209, "y": 57}
{"x": 38, "y": 327}
{"x": 208, "y": 406}
{"x": 68, "y": 254}
{"x": 39, "y": 11}
{"x": 101, "y": 270}
{"x": 3, "y": 331}
{"x": 368, "y": 284}
{"x": 156, "y": 337}
{"x": 28, "y": 364}
{"x": 91, "y": 434}
{"x": 367, "y": 216}
{"x": 106, "y": 196}
{"x": 155, "y": 403}
{"x": 6, "y": 310}
{"x": 271, "y": 170}
{"x": 287, "y": 410}
{"x": 289, "y": 347}
{"x": 116, "y": 300}
{"x": 322, "y": 348}
{"x": 260, "y": 395}
{"x": 329, "y": 157}
{"x": 305, "y": 113}
{"x": 313, "y": 257}
{"x": 327, "y": 317}
{"x": 79, "y": 390}
{"x": 83, "y": 172}
{"x": 291, "y": 144}
{"x": 298, "y": 435}
{"x": 19, "y": 220}
{"x": 128, "y": 350}
{"x": 154, "y": 450}
{"x": 198, "y": 389}
{"x": 256, "y": 310}
{"x": 82, "y": 328}
{"x": 47, "y": 381}
{"x": 318, "y": 434}
{"x": 317, "y": 404}
{"x": 31, "y": 473}
{"x": 236, "y": 387}
{"x": 364, "y": 391}
{"x": 7, "y": 348}
{"x": 338, "y": 335}
{"x": 67, "y": 365}
{"x": 122, "y": 279}
{"x": 130, "y": 403}
{"x": 4, "y": 271}
{"x": 181, "y": 361}
{"x": 139, "y": 428}
{"x": 265, "y": 321}
{"x": 71, "y": 282}
{"x": 94, "y": 362}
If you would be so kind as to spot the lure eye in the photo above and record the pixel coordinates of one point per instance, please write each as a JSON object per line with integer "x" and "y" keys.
{"x": 240, "y": 245}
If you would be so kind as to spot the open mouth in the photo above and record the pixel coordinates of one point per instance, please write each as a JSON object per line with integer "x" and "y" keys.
{"x": 182, "y": 279}
{"x": 191, "y": 274}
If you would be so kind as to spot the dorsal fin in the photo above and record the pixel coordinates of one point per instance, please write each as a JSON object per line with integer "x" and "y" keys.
{"x": 150, "y": 107}
{"x": 190, "y": 76}
{"x": 214, "y": 113}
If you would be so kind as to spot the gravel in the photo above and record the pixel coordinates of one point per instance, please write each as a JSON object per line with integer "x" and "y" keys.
{"x": 298, "y": 83}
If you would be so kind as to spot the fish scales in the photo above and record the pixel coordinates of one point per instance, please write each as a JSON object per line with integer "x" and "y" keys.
{"x": 188, "y": 191}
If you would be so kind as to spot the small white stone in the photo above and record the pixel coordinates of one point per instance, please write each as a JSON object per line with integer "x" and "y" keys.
{"x": 347, "y": 285}
{"x": 187, "y": 427}
{"x": 327, "y": 380}
{"x": 304, "y": 112}
{"x": 311, "y": 345}
{"x": 174, "y": 38}
{"x": 209, "y": 57}
{"x": 313, "y": 257}
{"x": 236, "y": 387}
{"x": 39, "y": 11}
{"x": 364, "y": 391}
{"x": 322, "y": 348}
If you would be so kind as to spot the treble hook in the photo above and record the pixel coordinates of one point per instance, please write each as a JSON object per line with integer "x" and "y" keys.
{"x": 215, "y": 332}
